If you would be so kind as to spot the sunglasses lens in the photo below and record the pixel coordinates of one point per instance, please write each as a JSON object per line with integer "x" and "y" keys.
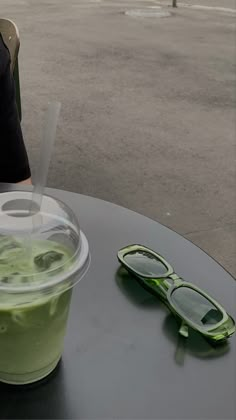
{"x": 195, "y": 307}
{"x": 145, "y": 264}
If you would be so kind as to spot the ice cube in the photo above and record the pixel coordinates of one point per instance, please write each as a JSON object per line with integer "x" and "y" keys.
{"x": 5, "y": 279}
{"x": 7, "y": 243}
{"x": 45, "y": 260}
{"x": 25, "y": 279}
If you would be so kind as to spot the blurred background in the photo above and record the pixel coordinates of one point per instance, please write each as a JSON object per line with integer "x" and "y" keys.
{"x": 147, "y": 118}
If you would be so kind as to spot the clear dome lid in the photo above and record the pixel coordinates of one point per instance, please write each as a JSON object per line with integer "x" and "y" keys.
{"x": 39, "y": 250}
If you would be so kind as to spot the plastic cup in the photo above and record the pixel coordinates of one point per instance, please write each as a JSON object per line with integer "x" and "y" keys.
{"x": 42, "y": 256}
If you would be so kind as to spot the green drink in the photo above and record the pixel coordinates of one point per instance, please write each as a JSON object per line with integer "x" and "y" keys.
{"x": 31, "y": 332}
{"x": 36, "y": 279}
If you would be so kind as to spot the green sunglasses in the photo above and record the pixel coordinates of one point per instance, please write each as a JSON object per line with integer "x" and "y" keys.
{"x": 194, "y": 307}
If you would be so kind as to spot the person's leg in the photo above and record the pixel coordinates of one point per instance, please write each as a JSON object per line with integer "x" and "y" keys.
{"x": 14, "y": 165}
{"x": 26, "y": 181}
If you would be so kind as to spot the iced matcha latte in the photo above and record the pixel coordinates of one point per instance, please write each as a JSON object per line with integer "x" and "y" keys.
{"x": 31, "y": 330}
{"x": 36, "y": 280}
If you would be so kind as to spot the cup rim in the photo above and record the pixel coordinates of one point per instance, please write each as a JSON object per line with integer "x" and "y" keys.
{"x": 80, "y": 259}
{"x": 79, "y": 267}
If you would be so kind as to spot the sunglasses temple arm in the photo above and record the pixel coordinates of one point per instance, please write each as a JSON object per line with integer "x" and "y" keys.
{"x": 180, "y": 350}
{"x": 184, "y": 330}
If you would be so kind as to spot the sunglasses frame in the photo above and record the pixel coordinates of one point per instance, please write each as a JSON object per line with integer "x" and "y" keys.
{"x": 164, "y": 285}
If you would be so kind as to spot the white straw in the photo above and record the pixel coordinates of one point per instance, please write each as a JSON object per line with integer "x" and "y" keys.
{"x": 48, "y": 139}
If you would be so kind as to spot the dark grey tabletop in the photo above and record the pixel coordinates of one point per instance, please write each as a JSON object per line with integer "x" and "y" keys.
{"x": 123, "y": 358}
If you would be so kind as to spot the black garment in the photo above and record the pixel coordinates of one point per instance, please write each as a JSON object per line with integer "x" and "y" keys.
{"x": 14, "y": 165}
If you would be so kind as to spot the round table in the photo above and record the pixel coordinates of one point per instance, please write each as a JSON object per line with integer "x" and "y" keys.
{"x": 123, "y": 357}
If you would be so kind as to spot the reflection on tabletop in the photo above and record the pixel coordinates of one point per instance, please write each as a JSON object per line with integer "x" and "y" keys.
{"x": 195, "y": 345}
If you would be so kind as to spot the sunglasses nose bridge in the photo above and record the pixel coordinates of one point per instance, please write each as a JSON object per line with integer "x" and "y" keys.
{"x": 172, "y": 280}
{"x": 176, "y": 279}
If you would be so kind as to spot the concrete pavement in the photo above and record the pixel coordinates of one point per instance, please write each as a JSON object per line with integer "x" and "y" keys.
{"x": 147, "y": 117}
